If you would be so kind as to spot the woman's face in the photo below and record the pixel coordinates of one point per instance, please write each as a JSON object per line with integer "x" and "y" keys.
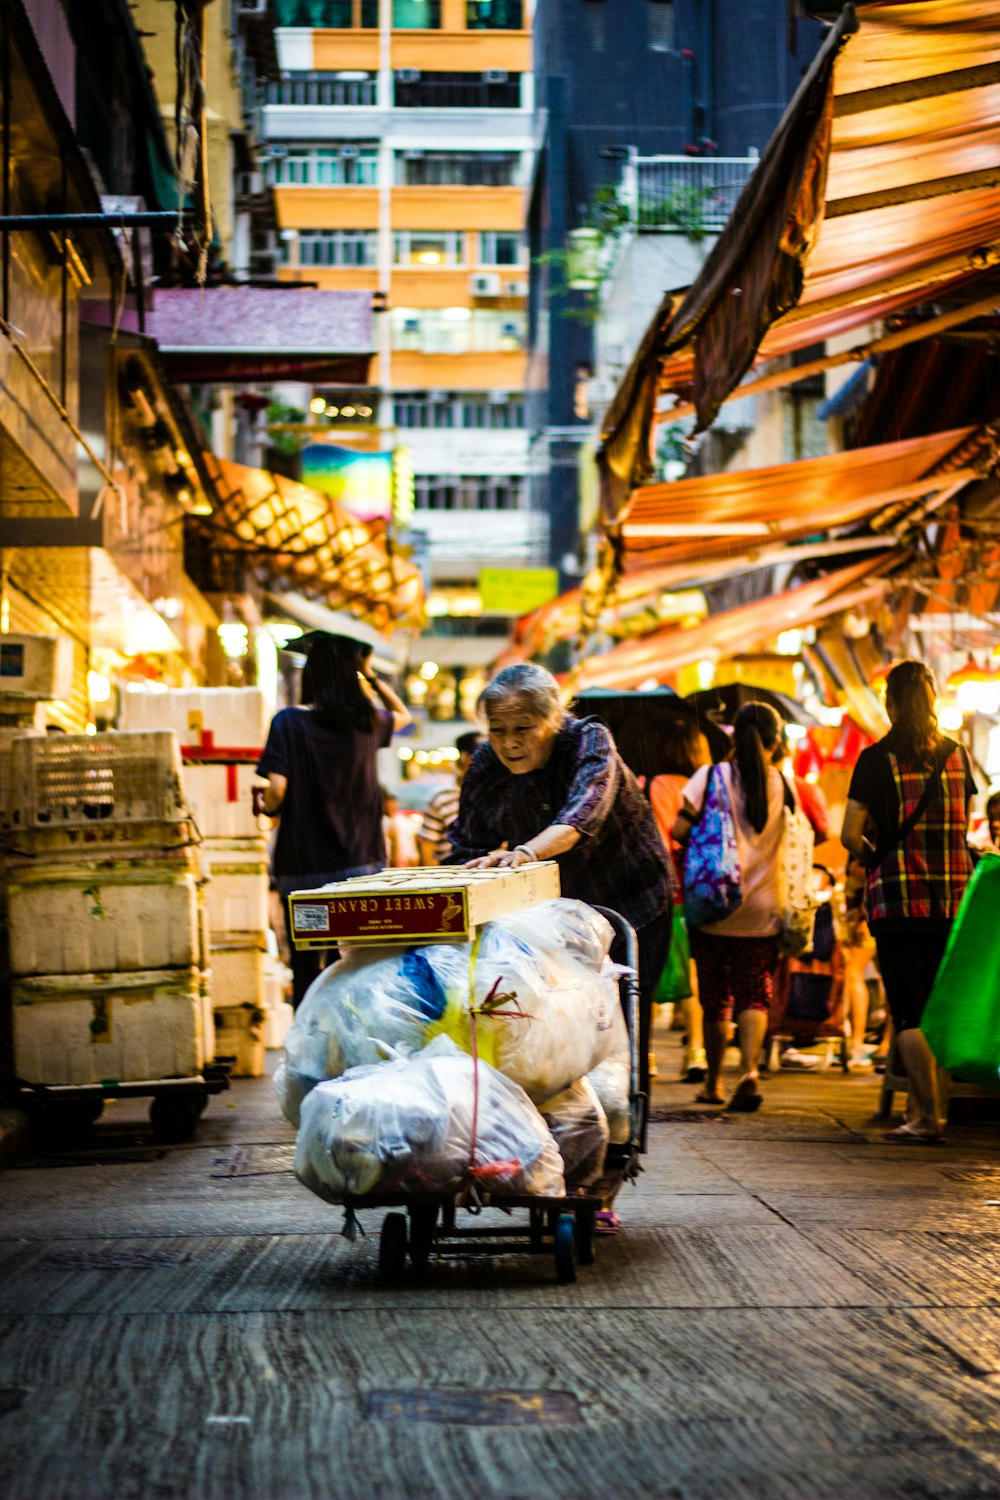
{"x": 519, "y": 738}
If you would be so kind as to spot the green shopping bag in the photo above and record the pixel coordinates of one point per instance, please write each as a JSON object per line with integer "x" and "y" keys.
{"x": 961, "y": 1020}
{"x": 674, "y": 983}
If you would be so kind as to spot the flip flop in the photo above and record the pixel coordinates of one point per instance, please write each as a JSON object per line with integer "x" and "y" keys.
{"x": 701, "y": 1097}
{"x": 908, "y": 1135}
{"x": 747, "y": 1098}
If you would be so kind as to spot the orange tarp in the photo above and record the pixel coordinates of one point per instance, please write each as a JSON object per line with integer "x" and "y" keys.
{"x": 912, "y": 206}
{"x": 665, "y": 652}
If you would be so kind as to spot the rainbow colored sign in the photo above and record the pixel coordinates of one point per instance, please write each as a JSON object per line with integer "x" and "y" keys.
{"x": 360, "y": 482}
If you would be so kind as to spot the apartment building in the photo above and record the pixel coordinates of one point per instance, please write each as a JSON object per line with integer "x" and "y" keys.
{"x": 399, "y": 145}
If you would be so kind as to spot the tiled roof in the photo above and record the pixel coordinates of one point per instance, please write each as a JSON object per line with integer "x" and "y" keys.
{"x": 260, "y": 320}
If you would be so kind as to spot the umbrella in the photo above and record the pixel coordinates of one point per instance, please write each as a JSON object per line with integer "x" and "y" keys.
{"x": 721, "y": 704}
{"x": 641, "y": 724}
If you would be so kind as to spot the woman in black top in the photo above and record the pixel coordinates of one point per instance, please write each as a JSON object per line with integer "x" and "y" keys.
{"x": 320, "y": 762}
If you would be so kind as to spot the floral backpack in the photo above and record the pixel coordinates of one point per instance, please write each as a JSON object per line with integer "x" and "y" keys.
{"x": 713, "y": 882}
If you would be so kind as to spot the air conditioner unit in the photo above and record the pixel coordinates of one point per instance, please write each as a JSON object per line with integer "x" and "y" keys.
{"x": 349, "y": 151}
{"x": 36, "y": 667}
{"x": 413, "y": 155}
{"x": 484, "y": 284}
{"x": 408, "y": 75}
{"x": 495, "y": 75}
{"x": 517, "y": 288}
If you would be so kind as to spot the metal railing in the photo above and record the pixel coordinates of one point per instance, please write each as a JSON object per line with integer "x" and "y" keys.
{"x": 685, "y": 194}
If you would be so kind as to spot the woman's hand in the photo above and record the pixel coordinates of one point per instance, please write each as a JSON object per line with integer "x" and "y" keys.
{"x": 501, "y": 859}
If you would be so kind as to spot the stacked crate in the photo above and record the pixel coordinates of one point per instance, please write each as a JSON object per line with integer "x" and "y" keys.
{"x": 222, "y": 733}
{"x": 102, "y": 890}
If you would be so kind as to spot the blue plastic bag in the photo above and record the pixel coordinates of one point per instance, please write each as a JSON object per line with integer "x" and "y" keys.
{"x": 713, "y": 881}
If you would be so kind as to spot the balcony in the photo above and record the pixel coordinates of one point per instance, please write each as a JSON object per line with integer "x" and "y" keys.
{"x": 494, "y": 15}
{"x": 691, "y": 195}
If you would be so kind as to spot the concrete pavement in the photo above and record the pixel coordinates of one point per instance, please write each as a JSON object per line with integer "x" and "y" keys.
{"x": 794, "y": 1308}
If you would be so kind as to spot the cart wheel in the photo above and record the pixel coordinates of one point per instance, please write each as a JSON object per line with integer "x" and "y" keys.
{"x": 392, "y": 1249}
{"x": 423, "y": 1222}
{"x": 173, "y": 1117}
{"x": 586, "y": 1236}
{"x": 566, "y": 1248}
{"x": 536, "y": 1230}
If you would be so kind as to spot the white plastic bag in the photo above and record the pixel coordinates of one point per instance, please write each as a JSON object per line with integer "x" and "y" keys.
{"x": 579, "y": 1128}
{"x": 611, "y": 1082}
{"x": 407, "y": 1126}
{"x": 557, "y": 1023}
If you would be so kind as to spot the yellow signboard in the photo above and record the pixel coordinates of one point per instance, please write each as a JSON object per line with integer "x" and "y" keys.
{"x": 516, "y": 591}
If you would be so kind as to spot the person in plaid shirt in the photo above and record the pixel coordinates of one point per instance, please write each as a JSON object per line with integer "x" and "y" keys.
{"x": 442, "y": 809}
{"x": 915, "y": 882}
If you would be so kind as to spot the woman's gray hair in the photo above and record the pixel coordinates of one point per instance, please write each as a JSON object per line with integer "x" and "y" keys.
{"x": 529, "y": 682}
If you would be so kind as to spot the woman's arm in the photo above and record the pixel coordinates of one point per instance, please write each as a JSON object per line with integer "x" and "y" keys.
{"x": 382, "y": 694}
{"x": 683, "y": 823}
{"x": 852, "y": 835}
{"x": 274, "y": 793}
{"x": 558, "y": 838}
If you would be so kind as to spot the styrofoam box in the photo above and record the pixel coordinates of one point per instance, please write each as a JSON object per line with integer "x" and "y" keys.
{"x": 236, "y": 892}
{"x": 223, "y": 718}
{"x": 239, "y": 1033}
{"x": 122, "y": 916}
{"x": 220, "y": 797}
{"x": 277, "y": 1024}
{"x": 236, "y": 975}
{"x": 92, "y": 1028}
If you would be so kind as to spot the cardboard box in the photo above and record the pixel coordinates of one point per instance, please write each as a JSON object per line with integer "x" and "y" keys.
{"x": 439, "y": 905}
{"x": 92, "y": 1028}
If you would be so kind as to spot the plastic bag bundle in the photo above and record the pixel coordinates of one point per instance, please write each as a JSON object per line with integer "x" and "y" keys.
{"x": 961, "y": 1020}
{"x": 579, "y": 1128}
{"x": 610, "y": 1081}
{"x": 544, "y": 970}
{"x": 407, "y": 1125}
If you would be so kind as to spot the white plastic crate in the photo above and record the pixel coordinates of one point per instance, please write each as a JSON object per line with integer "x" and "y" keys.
{"x": 85, "y": 780}
{"x": 236, "y": 975}
{"x": 239, "y": 1033}
{"x": 209, "y": 719}
{"x": 8, "y": 799}
{"x": 236, "y": 894}
{"x": 83, "y": 918}
{"x": 93, "y": 1028}
{"x": 221, "y": 800}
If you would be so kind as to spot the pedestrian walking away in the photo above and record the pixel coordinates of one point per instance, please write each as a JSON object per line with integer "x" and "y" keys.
{"x": 736, "y": 956}
{"x": 907, "y": 820}
{"x": 548, "y": 785}
{"x": 323, "y": 781}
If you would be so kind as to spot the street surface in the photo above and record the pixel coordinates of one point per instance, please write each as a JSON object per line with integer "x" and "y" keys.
{"x": 793, "y": 1308}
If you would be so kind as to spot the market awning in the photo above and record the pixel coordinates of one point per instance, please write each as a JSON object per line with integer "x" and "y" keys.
{"x": 304, "y": 540}
{"x": 657, "y": 656}
{"x": 880, "y": 185}
{"x": 690, "y": 519}
{"x": 244, "y": 333}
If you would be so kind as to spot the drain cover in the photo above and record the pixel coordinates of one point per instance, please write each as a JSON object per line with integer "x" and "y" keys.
{"x": 689, "y": 1117}
{"x": 112, "y": 1260}
{"x": 256, "y": 1161}
{"x": 474, "y": 1408}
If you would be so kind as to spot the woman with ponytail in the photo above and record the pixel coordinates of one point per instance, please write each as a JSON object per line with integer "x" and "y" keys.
{"x": 736, "y": 957}
{"x": 906, "y": 820}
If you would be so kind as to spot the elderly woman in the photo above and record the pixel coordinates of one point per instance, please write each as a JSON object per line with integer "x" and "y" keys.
{"x": 551, "y": 786}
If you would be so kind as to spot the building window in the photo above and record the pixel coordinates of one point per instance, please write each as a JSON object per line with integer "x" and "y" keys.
{"x": 499, "y": 249}
{"x": 457, "y": 330}
{"x": 494, "y": 89}
{"x": 469, "y": 491}
{"x": 347, "y": 164}
{"x": 352, "y": 90}
{"x": 335, "y": 247}
{"x": 494, "y": 15}
{"x": 661, "y": 25}
{"x": 416, "y": 15}
{"x": 457, "y": 168}
{"x": 468, "y": 411}
{"x": 336, "y": 14}
{"x": 417, "y": 247}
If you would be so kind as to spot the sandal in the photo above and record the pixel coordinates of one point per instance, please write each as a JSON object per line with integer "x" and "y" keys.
{"x": 606, "y": 1221}
{"x": 704, "y": 1097}
{"x": 747, "y": 1097}
{"x": 913, "y": 1135}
